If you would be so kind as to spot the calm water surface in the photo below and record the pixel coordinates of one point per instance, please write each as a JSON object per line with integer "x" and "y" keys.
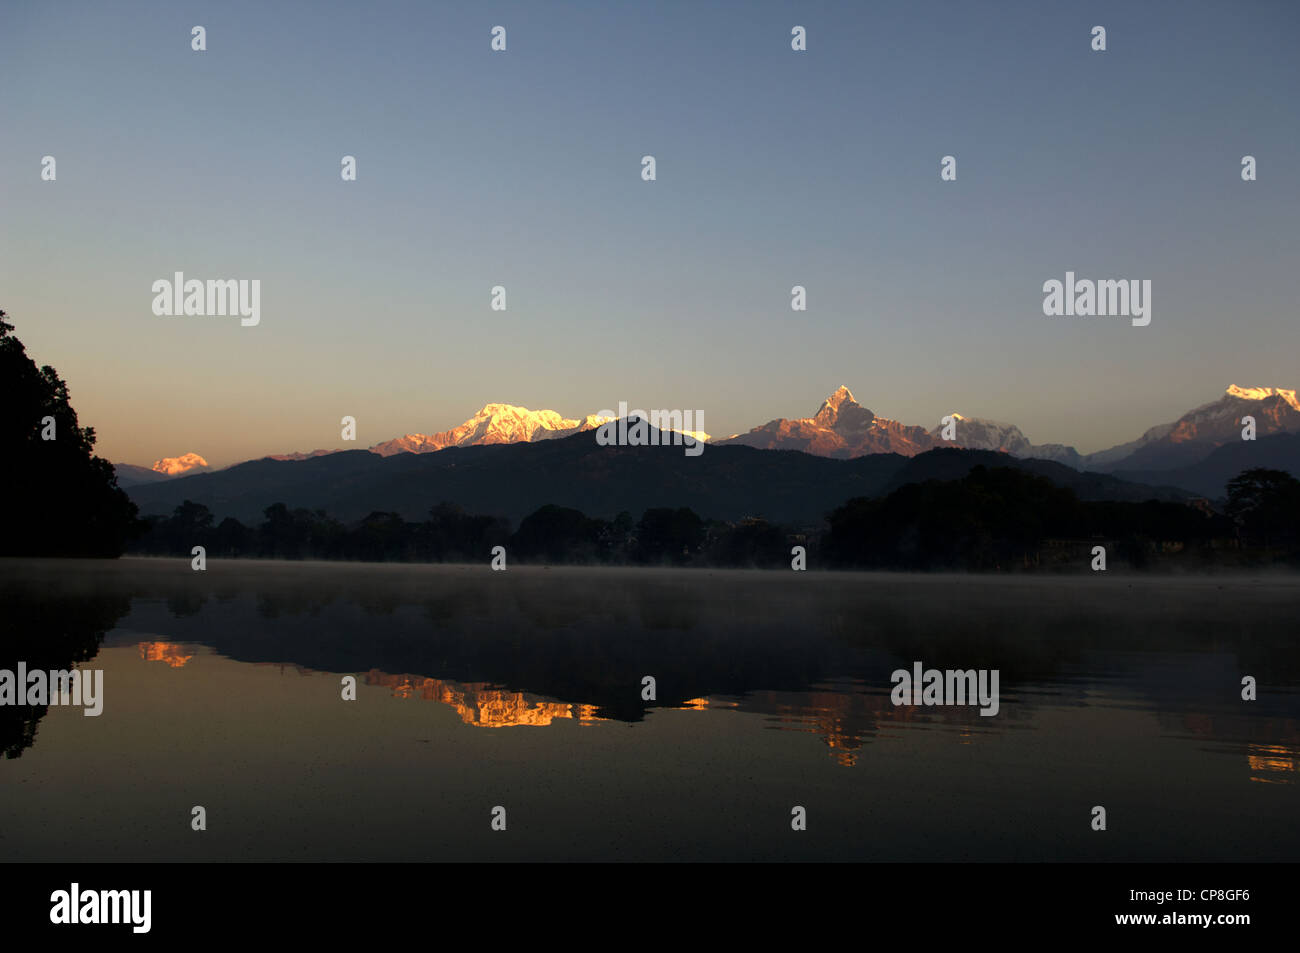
{"x": 523, "y": 689}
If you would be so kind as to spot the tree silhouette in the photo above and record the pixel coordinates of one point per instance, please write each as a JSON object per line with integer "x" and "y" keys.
{"x": 666, "y": 535}
{"x": 1265, "y": 505}
{"x": 999, "y": 518}
{"x": 558, "y": 534}
{"x": 48, "y": 631}
{"x": 56, "y": 497}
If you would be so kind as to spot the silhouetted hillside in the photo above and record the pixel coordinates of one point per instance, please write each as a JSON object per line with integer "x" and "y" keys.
{"x": 131, "y": 475}
{"x": 514, "y": 480}
{"x": 953, "y": 464}
{"x": 1210, "y": 476}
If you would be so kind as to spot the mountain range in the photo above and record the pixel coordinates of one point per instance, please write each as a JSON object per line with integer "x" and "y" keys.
{"x": 495, "y": 423}
{"x": 844, "y": 429}
{"x": 1192, "y": 452}
{"x": 513, "y": 480}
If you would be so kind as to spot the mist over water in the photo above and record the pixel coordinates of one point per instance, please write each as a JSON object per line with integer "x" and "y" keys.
{"x": 524, "y": 689}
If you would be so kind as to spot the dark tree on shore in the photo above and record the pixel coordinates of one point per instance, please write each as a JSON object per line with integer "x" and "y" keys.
{"x": 56, "y": 497}
{"x": 1266, "y": 505}
{"x": 666, "y": 535}
{"x": 559, "y": 534}
{"x": 998, "y": 518}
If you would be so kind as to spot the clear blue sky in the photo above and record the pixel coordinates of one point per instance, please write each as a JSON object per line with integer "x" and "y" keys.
{"x": 522, "y": 168}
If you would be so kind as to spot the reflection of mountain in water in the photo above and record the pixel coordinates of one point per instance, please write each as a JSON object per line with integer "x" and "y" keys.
{"x": 844, "y": 716}
{"x": 484, "y": 706}
{"x": 1270, "y": 743}
{"x": 844, "y": 720}
{"x": 1275, "y": 764}
{"x": 848, "y": 715}
{"x": 169, "y": 652}
{"x": 811, "y": 652}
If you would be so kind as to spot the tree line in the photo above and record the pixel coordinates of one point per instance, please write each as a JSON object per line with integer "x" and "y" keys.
{"x": 1004, "y": 518}
{"x": 551, "y": 534}
{"x": 992, "y": 519}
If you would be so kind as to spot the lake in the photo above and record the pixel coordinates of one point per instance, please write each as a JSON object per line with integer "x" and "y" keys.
{"x": 523, "y": 690}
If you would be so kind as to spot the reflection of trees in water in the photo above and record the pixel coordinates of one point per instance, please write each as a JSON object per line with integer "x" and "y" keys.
{"x": 51, "y": 632}
{"x": 770, "y": 640}
{"x": 185, "y": 604}
{"x": 589, "y": 638}
{"x": 273, "y": 605}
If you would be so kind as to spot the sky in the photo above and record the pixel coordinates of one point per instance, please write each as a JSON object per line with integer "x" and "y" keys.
{"x": 522, "y": 169}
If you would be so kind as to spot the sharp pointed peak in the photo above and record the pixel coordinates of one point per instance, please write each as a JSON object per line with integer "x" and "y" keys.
{"x": 841, "y": 397}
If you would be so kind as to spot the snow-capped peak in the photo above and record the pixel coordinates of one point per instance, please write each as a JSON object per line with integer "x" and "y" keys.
{"x": 174, "y": 465}
{"x": 500, "y": 423}
{"x": 1260, "y": 393}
